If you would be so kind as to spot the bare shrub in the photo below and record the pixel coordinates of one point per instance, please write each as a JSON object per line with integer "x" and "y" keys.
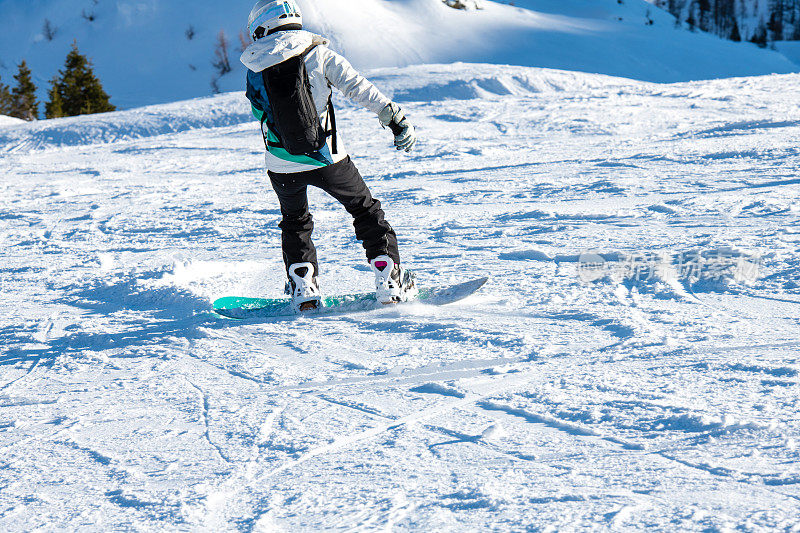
{"x": 222, "y": 60}
{"x": 244, "y": 41}
{"x": 48, "y": 30}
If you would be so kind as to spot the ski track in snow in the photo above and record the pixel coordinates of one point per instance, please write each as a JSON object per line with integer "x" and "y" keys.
{"x": 541, "y": 403}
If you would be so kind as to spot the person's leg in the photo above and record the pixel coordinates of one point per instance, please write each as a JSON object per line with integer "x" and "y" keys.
{"x": 343, "y": 182}
{"x": 297, "y": 224}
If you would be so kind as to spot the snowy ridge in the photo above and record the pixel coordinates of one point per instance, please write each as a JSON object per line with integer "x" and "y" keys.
{"x": 9, "y": 121}
{"x": 425, "y": 82}
{"x": 462, "y": 81}
{"x": 419, "y": 83}
{"x": 104, "y": 128}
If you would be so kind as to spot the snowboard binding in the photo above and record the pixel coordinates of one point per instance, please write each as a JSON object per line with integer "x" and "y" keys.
{"x": 303, "y": 288}
{"x": 393, "y": 283}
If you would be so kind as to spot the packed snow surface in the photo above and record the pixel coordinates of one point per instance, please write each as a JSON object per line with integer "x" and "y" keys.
{"x": 559, "y": 397}
{"x": 154, "y": 51}
{"x": 9, "y": 121}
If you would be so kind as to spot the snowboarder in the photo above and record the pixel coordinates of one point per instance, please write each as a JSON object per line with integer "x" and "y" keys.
{"x": 290, "y": 77}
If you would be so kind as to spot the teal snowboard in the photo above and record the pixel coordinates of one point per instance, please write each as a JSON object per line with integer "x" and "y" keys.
{"x": 245, "y": 308}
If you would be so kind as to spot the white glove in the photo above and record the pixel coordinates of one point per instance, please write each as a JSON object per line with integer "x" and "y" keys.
{"x": 405, "y": 137}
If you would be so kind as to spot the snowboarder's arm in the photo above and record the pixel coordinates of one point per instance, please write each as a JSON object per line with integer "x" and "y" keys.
{"x": 341, "y": 74}
{"x": 344, "y": 77}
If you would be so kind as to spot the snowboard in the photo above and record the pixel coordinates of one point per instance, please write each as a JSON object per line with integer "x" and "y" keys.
{"x": 242, "y": 308}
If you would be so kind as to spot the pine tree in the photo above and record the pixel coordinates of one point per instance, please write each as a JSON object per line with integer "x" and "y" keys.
{"x": 796, "y": 32}
{"x": 775, "y": 24}
{"x": 690, "y": 21}
{"x": 796, "y": 21}
{"x": 5, "y": 99}
{"x": 760, "y": 36}
{"x": 735, "y": 35}
{"x": 78, "y": 89}
{"x": 54, "y": 108}
{"x": 83, "y": 93}
{"x": 725, "y": 23}
{"x": 672, "y": 7}
{"x": 691, "y": 15}
{"x": 23, "y": 96}
{"x": 704, "y": 11}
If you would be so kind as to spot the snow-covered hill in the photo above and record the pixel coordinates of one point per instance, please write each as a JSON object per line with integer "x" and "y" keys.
{"x": 655, "y": 391}
{"x": 143, "y": 53}
{"x": 9, "y": 121}
{"x": 410, "y": 84}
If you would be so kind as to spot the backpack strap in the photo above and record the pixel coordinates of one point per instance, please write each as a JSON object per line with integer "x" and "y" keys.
{"x": 308, "y": 50}
{"x": 332, "y": 131}
{"x": 331, "y": 118}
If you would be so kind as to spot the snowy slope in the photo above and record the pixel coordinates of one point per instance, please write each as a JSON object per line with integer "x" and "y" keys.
{"x": 143, "y": 55}
{"x": 226, "y": 110}
{"x": 416, "y": 83}
{"x": 601, "y": 36}
{"x": 9, "y": 121}
{"x": 790, "y": 50}
{"x": 635, "y": 402}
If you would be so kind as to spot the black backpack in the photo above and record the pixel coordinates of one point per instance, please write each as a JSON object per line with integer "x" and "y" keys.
{"x": 294, "y": 116}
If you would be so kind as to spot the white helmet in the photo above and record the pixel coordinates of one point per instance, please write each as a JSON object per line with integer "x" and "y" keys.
{"x": 271, "y": 14}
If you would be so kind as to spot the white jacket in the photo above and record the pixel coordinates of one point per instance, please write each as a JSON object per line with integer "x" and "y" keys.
{"x": 326, "y": 69}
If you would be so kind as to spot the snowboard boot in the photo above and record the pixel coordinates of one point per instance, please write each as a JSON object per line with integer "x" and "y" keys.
{"x": 393, "y": 283}
{"x": 302, "y": 287}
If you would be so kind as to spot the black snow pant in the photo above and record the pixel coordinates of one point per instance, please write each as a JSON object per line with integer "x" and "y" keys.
{"x": 343, "y": 182}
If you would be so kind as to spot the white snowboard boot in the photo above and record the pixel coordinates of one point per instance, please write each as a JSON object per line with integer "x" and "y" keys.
{"x": 393, "y": 283}
{"x": 302, "y": 287}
